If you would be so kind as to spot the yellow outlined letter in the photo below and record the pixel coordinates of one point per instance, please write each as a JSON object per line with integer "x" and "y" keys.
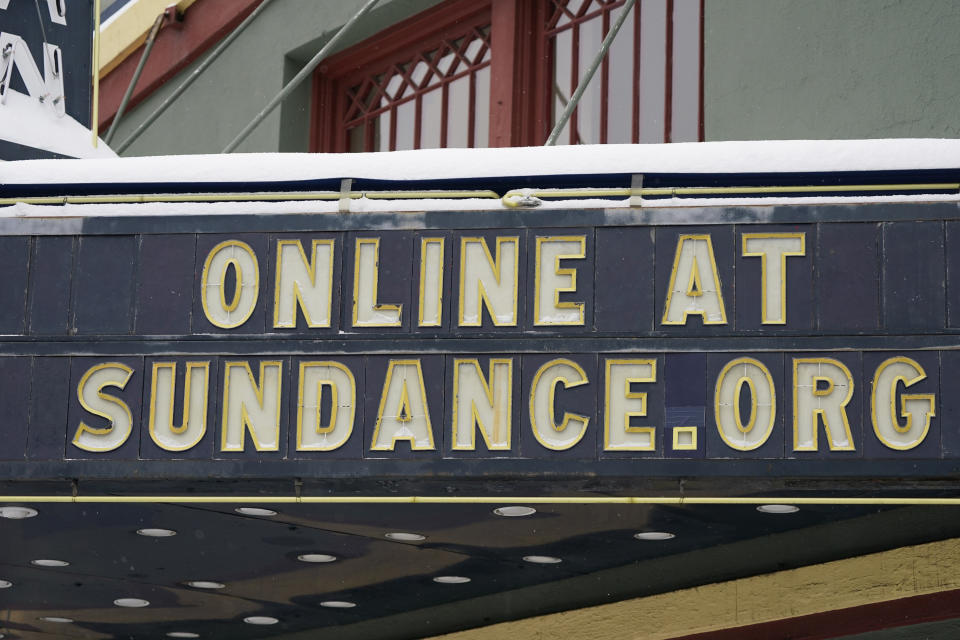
{"x": 694, "y": 288}
{"x": 543, "y": 390}
{"x": 915, "y": 408}
{"x": 484, "y": 403}
{"x": 94, "y": 400}
{"x": 773, "y": 250}
{"x": 813, "y": 402}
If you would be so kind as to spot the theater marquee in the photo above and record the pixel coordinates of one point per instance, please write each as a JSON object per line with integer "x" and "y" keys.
{"x": 593, "y": 336}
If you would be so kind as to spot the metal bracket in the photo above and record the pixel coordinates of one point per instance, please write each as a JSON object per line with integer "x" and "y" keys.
{"x": 346, "y": 185}
{"x": 636, "y": 190}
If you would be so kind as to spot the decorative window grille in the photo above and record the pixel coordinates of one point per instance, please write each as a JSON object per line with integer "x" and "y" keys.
{"x": 435, "y": 80}
{"x": 437, "y": 98}
{"x": 647, "y": 87}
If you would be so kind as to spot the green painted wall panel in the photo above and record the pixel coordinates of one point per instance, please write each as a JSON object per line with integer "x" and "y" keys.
{"x": 789, "y": 69}
{"x": 247, "y": 76}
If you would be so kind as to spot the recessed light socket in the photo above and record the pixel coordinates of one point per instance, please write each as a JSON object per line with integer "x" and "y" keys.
{"x": 778, "y": 508}
{"x": 17, "y": 513}
{"x": 654, "y": 535}
{"x": 256, "y": 511}
{"x": 131, "y": 603}
{"x": 514, "y": 511}
{"x": 542, "y": 559}
{"x": 316, "y": 557}
{"x": 49, "y": 562}
{"x": 156, "y": 533}
{"x": 405, "y": 537}
{"x": 205, "y": 584}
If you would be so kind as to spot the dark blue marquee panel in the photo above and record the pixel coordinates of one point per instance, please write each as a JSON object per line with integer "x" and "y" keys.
{"x": 652, "y": 340}
{"x": 854, "y": 278}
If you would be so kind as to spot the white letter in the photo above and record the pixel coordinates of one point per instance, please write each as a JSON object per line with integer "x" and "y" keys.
{"x": 48, "y": 88}
{"x": 366, "y": 311}
{"x": 248, "y": 406}
{"x": 694, "y": 288}
{"x": 403, "y": 415}
{"x": 57, "y": 8}
{"x": 488, "y": 281}
{"x": 812, "y": 402}
{"x": 95, "y": 401}
{"x": 431, "y": 282}
{"x": 479, "y": 404}
{"x": 917, "y": 409}
{"x": 239, "y": 256}
{"x": 164, "y": 433}
{"x": 773, "y": 249}
{"x": 308, "y": 283}
{"x": 623, "y": 404}
{"x": 542, "y": 419}
{"x": 551, "y": 280}
{"x": 314, "y": 376}
{"x": 726, "y": 404}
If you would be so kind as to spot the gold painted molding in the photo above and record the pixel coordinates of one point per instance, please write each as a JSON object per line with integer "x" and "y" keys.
{"x": 121, "y": 36}
{"x": 879, "y": 577}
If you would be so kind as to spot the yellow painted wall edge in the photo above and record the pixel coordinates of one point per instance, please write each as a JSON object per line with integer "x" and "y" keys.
{"x": 122, "y": 35}
{"x": 886, "y": 576}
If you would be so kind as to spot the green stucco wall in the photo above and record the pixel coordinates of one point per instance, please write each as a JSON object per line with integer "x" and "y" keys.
{"x": 248, "y": 74}
{"x": 774, "y": 69}
{"x": 790, "y": 69}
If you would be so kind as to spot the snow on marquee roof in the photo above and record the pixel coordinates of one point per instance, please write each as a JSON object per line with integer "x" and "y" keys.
{"x": 710, "y": 164}
{"x": 24, "y": 122}
{"x": 772, "y": 156}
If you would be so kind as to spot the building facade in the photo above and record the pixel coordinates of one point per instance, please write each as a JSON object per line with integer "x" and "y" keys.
{"x": 427, "y": 74}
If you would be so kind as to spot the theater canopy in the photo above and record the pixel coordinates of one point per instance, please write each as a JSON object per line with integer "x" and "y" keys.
{"x": 640, "y": 339}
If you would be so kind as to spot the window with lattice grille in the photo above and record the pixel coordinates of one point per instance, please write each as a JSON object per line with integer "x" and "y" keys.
{"x": 647, "y": 87}
{"x": 437, "y": 98}
{"x": 475, "y": 73}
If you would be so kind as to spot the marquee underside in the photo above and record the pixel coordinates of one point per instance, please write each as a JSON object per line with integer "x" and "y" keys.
{"x": 391, "y": 582}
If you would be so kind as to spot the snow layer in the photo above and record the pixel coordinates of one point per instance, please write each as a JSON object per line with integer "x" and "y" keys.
{"x": 24, "y": 121}
{"x": 364, "y": 205}
{"x": 698, "y": 157}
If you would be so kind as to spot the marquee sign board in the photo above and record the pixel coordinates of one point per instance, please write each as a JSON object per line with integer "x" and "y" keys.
{"x": 668, "y": 342}
{"x": 45, "y": 74}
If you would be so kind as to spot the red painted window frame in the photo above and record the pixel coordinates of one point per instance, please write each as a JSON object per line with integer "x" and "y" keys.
{"x": 395, "y": 44}
{"x": 520, "y": 95}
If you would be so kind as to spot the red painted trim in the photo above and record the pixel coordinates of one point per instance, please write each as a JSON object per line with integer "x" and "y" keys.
{"x": 668, "y": 78}
{"x": 843, "y": 622}
{"x": 204, "y": 24}
{"x": 396, "y": 43}
{"x": 514, "y": 94}
{"x": 543, "y": 87}
{"x": 700, "y": 129}
{"x": 637, "y": 41}
{"x": 392, "y": 46}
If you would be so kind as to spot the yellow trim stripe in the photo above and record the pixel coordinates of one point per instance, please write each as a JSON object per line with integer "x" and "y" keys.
{"x": 587, "y": 500}
{"x": 510, "y": 199}
{"x": 883, "y": 577}
{"x": 249, "y": 197}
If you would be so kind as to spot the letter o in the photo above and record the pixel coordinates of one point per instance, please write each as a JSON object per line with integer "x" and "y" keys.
{"x": 218, "y": 310}
{"x": 735, "y": 432}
